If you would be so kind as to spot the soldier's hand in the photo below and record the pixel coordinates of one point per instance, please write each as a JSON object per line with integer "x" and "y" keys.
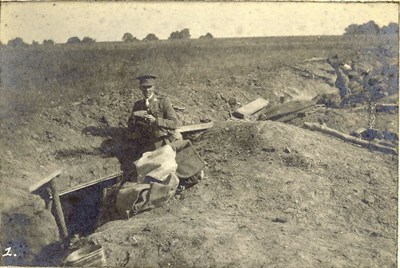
{"x": 150, "y": 118}
{"x": 141, "y": 113}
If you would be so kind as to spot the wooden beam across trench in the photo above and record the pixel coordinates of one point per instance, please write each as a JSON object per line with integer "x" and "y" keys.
{"x": 49, "y": 184}
{"x": 90, "y": 183}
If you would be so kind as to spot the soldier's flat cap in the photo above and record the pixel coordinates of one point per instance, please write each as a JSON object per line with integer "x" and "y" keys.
{"x": 147, "y": 80}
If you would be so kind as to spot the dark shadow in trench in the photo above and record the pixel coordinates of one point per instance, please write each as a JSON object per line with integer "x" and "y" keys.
{"x": 117, "y": 143}
{"x": 82, "y": 207}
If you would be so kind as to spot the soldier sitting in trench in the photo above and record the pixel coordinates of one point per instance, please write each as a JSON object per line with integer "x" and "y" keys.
{"x": 153, "y": 123}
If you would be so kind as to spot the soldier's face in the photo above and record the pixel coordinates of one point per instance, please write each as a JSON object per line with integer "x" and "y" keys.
{"x": 147, "y": 91}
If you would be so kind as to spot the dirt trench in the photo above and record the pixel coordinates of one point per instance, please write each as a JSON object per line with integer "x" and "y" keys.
{"x": 274, "y": 194}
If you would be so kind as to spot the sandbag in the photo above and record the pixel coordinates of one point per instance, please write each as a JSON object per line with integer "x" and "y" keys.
{"x": 157, "y": 164}
{"x": 159, "y": 193}
{"x": 156, "y": 183}
{"x": 128, "y": 197}
{"x": 187, "y": 158}
{"x": 136, "y": 197}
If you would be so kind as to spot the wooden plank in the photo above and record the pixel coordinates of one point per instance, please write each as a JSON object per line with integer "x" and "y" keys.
{"x": 303, "y": 112}
{"x": 288, "y": 108}
{"x": 43, "y": 181}
{"x": 315, "y": 59}
{"x": 256, "y": 115}
{"x": 348, "y": 138}
{"x": 90, "y": 183}
{"x": 196, "y": 127}
{"x": 387, "y": 105}
{"x": 251, "y": 108}
{"x": 382, "y": 107}
{"x": 183, "y": 129}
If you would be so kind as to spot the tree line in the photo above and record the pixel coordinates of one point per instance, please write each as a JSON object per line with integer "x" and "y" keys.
{"x": 127, "y": 37}
{"x": 371, "y": 27}
{"x": 367, "y": 28}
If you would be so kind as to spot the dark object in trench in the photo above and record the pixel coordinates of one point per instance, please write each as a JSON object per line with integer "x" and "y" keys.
{"x": 82, "y": 207}
{"x": 371, "y": 134}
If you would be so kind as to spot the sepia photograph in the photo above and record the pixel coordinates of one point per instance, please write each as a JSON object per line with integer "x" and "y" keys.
{"x": 199, "y": 134}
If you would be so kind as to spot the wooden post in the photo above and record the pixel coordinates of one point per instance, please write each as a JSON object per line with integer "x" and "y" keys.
{"x": 49, "y": 200}
{"x": 58, "y": 210}
{"x": 49, "y": 185}
{"x": 348, "y": 138}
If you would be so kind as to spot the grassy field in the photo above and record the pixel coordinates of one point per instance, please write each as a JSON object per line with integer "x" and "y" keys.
{"x": 43, "y": 76}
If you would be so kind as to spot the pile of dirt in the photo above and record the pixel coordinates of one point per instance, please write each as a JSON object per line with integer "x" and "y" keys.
{"x": 273, "y": 193}
{"x": 28, "y": 229}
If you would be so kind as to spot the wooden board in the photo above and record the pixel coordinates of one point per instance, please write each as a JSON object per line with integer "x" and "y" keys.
{"x": 196, "y": 127}
{"x": 371, "y": 145}
{"x": 297, "y": 114}
{"x": 315, "y": 59}
{"x": 90, "y": 183}
{"x": 381, "y": 107}
{"x": 387, "y": 105}
{"x": 288, "y": 108}
{"x": 250, "y": 108}
{"x": 43, "y": 181}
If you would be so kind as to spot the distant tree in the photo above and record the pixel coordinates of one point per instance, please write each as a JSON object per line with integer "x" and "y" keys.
{"x": 150, "y": 37}
{"x": 88, "y": 40}
{"x": 174, "y": 35}
{"x": 48, "y": 42}
{"x": 16, "y": 42}
{"x": 128, "y": 37}
{"x": 35, "y": 43}
{"x": 391, "y": 28}
{"x": 207, "y": 36}
{"x": 367, "y": 28}
{"x": 183, "y": 34}
{"x": 73, "y": 40}
{"x": 371, "y": 27}
{"x": 351, "y": 29}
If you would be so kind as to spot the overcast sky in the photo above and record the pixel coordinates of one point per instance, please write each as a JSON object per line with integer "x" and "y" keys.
{"x": 109, "y": 21}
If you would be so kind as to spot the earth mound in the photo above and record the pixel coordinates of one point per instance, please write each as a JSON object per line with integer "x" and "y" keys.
{"x": 274, "y": 194}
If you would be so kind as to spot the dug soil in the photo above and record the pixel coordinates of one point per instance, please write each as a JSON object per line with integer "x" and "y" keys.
{"x": 274, "y": 194}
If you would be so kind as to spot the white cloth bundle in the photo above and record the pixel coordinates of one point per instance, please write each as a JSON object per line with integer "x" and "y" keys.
{"x": 157, "y": 164}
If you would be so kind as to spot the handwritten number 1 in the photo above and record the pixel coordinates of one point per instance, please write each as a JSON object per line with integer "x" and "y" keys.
{"x": 8, "y": 252}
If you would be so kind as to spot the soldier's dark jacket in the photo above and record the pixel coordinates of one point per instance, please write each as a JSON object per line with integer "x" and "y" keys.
{"x": 166, "y": 120}
{"x": 163, "y": 131}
